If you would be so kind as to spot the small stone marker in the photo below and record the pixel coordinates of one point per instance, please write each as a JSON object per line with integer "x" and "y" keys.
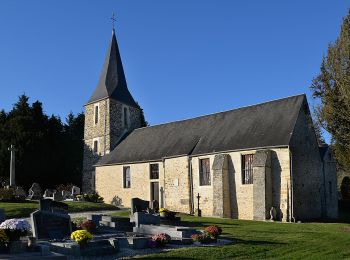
{"x": 66, "y": 194}
{"x": 51, "y": 221}
{"x": 75, "y": 191}
{"x": 35, "y": 192}
{"x": 48, "y": 193}
{"x": 57, "y": 196}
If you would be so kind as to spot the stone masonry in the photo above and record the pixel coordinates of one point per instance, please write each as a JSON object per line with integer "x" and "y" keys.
{"x": 108, "y": 131}
{"x": 221, "y": 187}
{"x": 262, "y": 185}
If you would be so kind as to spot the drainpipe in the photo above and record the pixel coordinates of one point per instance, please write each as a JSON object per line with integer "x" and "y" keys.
{"x": 291, "y": 187}
{"x": 191, "y": 184}
{"x": 163, "y": 198}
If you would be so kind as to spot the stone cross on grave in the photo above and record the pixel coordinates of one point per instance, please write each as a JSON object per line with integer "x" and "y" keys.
{"x": 12, "y": 166}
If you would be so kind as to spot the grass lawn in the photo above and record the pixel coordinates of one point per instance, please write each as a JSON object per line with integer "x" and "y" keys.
{"x": 23, "y": 209}
{"x": 261, "y": 240}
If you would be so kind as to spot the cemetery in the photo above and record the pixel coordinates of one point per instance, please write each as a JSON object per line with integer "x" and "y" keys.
{"x": 43, "y": 226}
{"x": 51, "y": 232}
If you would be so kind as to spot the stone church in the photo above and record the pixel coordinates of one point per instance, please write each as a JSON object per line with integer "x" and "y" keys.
{"x": 240, "y": 162}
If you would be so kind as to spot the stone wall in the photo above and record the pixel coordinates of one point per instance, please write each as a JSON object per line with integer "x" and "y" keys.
{"x": 108, "y": 131}
{"x": 99, "y": 132}
{"x": 307, "y": 169}
{"x": 177, "y": 184}
{"x": 330, "y": 180}
{"x": 174, "y": 179}
{"x": 241, "y": 195}
{"x": 109, "y": 182}
{"x": 262, "y": 185}
{"x": 221, "y": 187}
{"x": 118, "y": 129}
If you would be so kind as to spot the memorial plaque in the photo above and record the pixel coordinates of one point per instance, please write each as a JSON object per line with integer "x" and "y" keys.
{"x": 50, "y": 225}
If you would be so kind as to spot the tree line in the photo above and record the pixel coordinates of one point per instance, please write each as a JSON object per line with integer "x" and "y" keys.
{"x": 331, "y": 92}
{"x": 48, "y": 151}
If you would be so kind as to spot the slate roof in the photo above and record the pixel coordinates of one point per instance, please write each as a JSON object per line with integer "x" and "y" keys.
{"x": 112, "y": 82}
{"x": 264, "y": 125}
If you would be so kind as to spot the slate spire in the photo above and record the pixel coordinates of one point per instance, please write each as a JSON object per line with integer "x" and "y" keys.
{"x": 112, "y": 83}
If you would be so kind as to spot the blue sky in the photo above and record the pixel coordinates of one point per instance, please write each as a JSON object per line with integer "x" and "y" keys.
{"x": 182, "y": 58}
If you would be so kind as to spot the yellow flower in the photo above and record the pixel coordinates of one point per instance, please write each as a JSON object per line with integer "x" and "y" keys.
{"x": 3, "y": 237}
{"x": 80, "y": 235}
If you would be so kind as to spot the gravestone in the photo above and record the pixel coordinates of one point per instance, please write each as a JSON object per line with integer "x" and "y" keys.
{"x": 51, "y": 221}
{"x": 75, "y": 191}
{"x": 66, "y": 194}
{"x": 48, "y": 193}
{"x": 35, "y": 192}
{"x": 141, "y": 213}
{"x": 57, "y": 196}
{"x": 139, "y": 205}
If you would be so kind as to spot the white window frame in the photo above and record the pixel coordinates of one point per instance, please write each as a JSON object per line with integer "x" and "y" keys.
{"x": 124, "y": 175}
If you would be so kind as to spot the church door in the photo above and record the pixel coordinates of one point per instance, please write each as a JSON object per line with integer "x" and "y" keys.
{"x": 155, "y": 191}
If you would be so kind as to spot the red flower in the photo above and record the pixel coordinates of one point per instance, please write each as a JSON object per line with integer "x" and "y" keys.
{"x": 88, "y": 225}
{"x": 213, "y": 230}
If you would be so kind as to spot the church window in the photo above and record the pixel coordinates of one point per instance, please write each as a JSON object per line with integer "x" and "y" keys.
{"x": 154, "y": 171}
{"x": 204, "y": 172}
{"x": 330, "y": 187}
{"x": 247, "y": 168}
{"x": 95, "y": 147}
{"x": 125, "y": 117}
{"x": 96, "y": 114}
{"x": 126, "y": 177}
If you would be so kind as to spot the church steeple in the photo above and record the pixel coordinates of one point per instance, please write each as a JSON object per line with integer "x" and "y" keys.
{"x": 112, "y": 83}
{"x": 110, "y": 114}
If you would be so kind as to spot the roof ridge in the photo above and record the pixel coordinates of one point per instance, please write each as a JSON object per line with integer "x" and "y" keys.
{"x": 221, "y": 112}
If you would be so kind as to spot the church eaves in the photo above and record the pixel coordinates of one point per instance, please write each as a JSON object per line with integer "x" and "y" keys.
{"x": 112, "y": 83}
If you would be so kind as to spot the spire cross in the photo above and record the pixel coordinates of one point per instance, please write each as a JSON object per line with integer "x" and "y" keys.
{"x": 113, "y": 20}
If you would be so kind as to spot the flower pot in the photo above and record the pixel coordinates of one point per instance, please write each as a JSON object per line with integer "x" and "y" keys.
{"x": 197, "y": 243}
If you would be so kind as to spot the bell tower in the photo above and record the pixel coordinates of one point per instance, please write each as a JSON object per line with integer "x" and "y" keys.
{"x": 110, "y": 114}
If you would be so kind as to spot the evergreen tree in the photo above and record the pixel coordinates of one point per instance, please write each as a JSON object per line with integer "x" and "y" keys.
{"x": 48, "y": 151}
{"x": 331, "y": 90}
